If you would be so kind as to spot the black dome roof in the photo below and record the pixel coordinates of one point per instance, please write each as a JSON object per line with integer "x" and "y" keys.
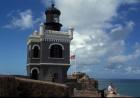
{"x": 52, "y": 10}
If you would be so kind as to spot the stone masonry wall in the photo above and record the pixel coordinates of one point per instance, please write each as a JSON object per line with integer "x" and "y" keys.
{"x": 16, "y": 87}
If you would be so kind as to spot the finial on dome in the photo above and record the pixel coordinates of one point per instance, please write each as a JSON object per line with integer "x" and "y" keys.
{"x": 35, "y": 33}
{"x": 41, "y": 23}
{"x": 71, "y": 30}
{"x": 41, "y": 29}
{"x": 53, "y": 3}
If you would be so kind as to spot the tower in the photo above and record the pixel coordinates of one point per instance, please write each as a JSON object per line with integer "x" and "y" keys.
{"x": 49, "y": 50}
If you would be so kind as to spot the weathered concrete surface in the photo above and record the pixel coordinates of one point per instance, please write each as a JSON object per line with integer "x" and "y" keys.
{"x": 86, "y": 93}
{"x": 119, "y": 96}
{"x": 15, "y": 87}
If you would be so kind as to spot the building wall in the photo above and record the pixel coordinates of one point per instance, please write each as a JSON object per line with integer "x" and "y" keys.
{"x": 30, "y": 58}
{"x": 47, "y": 65}
{"x": 46, "y": 72}
{"x": 45, "y": 53}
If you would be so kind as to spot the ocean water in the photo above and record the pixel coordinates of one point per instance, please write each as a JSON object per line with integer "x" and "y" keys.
{"x": 128, "y": 87}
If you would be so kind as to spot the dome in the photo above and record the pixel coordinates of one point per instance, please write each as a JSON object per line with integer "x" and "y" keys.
{"x": 52, "y": 19}
{"x": 52, "y": 10}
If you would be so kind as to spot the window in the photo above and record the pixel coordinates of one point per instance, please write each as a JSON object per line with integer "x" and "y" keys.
{"x": 56, "y": 51}
{"x": 36, "y": 51}
{"x": 56, "y": 18}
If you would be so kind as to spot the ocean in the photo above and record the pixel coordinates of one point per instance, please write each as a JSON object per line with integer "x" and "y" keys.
{"x": 128, "y": 87}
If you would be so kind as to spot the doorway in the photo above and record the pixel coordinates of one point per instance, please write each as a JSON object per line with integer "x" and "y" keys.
{"x": 34, "y": 74}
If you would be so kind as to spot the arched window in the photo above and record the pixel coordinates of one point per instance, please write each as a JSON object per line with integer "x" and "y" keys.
{"x": 56, "y": 51}
{"x": 36, "y": 51}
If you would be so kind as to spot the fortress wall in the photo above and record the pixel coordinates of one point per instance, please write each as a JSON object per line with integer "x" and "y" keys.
{"x": 7, "y": 86}
{"x": 13, "y": 86}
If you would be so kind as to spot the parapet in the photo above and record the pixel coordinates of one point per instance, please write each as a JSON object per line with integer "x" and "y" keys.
{"x": 15, "y": 87}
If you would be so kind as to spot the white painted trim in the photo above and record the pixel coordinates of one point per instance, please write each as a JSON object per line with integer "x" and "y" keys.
{"x": 53, "y": 64}
{"x": 56, "y": 44}
{"x": 29, "y": 47}
{"x": 35, "y": 68}
{"x": 35, "y": 46}
{"x": 35, "y": 58}
{"x": 47, "y": 64}
{"x": 55, "y": 58}
{"x": 33, "y": 64}
{"x": 65, "y": 40}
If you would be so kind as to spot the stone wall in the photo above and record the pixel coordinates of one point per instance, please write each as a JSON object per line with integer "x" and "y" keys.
{"x": 15, "y": 87}
{"x": 7, "y": 87}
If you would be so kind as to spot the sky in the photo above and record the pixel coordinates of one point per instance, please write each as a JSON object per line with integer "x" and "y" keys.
{"x": 106, "y": 37}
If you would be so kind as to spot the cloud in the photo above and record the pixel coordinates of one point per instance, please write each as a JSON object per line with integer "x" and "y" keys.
{"x": 23, "y": 20}
{"x": 93, "y": 44}
{"x": 130, "y": 1}
{"x": 100, "y": 45}
{"x": 120, "y": 32}
{"x": 125, "y": 58}
{"x": 126, "y": 63}
{"x": 89, "y": 14}
{"x": 132, "y": 70}
{"x": 89, "y": 48}
{"x": 120, "y": 58}
{"x": 47, "y": 3}
{"x": 97, "y": 40}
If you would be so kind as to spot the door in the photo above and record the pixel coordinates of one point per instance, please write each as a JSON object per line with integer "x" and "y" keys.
{"x": 34, "y": 74}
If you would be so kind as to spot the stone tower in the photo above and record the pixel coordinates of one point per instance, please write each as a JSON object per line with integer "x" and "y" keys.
{"x": 49, "y": 49}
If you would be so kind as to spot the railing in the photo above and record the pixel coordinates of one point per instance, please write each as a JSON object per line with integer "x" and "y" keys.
{"x": 57, "y": 33}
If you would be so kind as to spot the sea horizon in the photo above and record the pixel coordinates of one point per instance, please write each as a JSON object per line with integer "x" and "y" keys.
{"x": 116, "y": 78}
{"x": 127, "y": 87}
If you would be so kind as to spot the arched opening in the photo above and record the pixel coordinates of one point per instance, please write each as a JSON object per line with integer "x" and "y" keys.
{"x": 34, "y": 74}
{"x": 56, "y": 51}
{"x": 36, "y": 51}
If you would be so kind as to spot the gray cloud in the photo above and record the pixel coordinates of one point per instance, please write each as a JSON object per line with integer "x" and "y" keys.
{"x": 87, "y": 14}
{"x": 129, "y": 1}
{"x": 121, "y": 32}
{"x": 125, "y": 58}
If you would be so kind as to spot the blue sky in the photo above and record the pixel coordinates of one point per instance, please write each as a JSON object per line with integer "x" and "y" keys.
{"x": 106, "y": 38}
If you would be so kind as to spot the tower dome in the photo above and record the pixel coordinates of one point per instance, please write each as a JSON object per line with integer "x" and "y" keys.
{"x": 52, "y": 18}
{"x": 52, "y": 10}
